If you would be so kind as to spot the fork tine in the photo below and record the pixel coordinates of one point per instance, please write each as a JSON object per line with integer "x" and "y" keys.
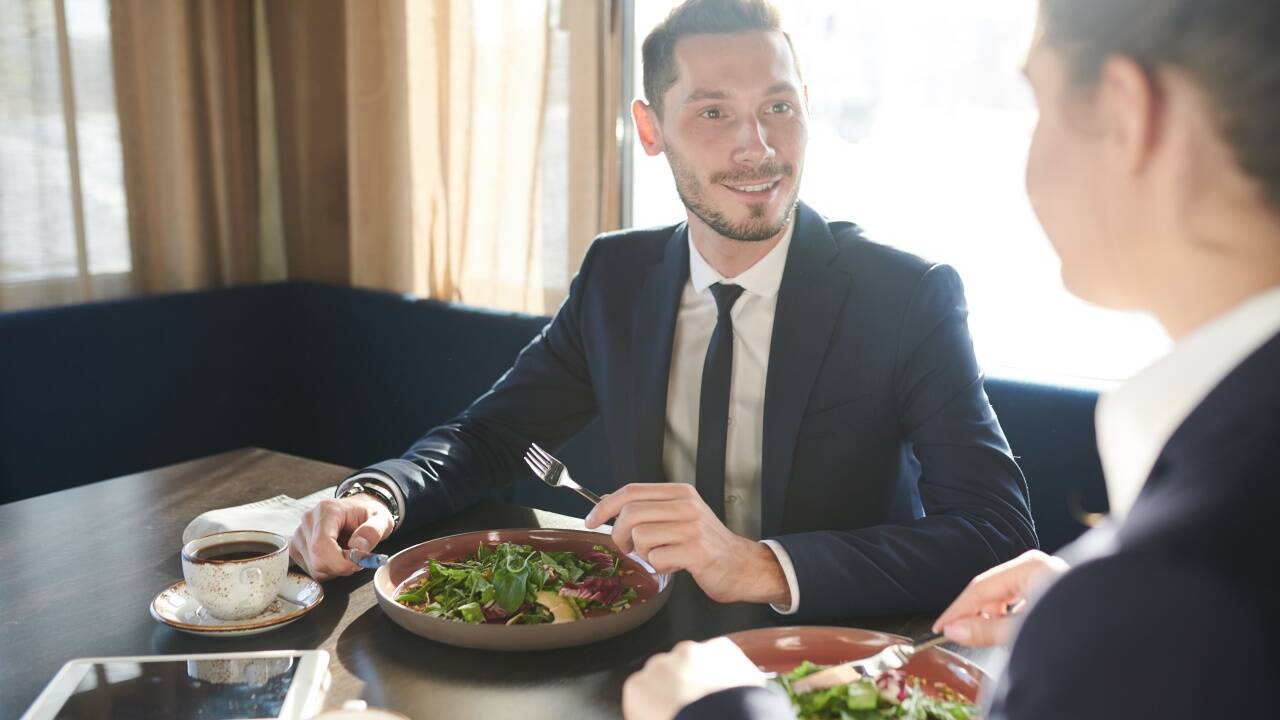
{"x": 539, "y": 468}
{"x": 539, "y": 456}
{"x": 529, "y": 461}
{"x": 531, "y": 456}
{"x": 542, "y": 454}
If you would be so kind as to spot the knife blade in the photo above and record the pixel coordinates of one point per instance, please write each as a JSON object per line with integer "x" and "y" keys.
{"x": 372, "y": 561}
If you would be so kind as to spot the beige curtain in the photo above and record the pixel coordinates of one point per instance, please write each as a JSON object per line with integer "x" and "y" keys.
{"x": 445, "y": 109}
{"x": 233, "y": 128}
{"x": 306, "y": 52}
{"x": 391, "y": 144}
{"x": 186, "y": 99}
{"x": 595, "y": 75}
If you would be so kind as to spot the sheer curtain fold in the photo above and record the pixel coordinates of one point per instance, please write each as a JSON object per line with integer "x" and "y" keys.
{"x": 185, "y": 94}
{"x": 595, "y": 86}
{"x": 445, "y": 110}
{"x": 307, "y": 54}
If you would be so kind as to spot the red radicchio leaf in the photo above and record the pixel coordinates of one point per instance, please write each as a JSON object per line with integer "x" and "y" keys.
{"x": 601, "y": 561}
{"x": 602, "y": 590}
{"x": 493, "y": 611}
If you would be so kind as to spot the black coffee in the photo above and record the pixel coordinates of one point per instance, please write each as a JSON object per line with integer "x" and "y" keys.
{"x": 235, "y": 551}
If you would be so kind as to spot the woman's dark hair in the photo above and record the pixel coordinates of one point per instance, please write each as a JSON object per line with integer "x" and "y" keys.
{"x": 1230, "y": 48}
{"x": 698, "y": 17}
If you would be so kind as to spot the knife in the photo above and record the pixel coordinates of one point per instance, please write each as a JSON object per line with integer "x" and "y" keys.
{"x": 890, "y": 658}
{"x": 372, "y": 561}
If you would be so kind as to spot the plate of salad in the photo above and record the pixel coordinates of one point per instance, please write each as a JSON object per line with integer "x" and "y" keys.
{"x": 519, "y": 589}
{"x": 935, "y": 685}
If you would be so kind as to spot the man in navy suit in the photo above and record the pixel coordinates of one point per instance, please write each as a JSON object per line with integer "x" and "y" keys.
{"x": 1154, "y": 171}
{"x": 760, "y": 373}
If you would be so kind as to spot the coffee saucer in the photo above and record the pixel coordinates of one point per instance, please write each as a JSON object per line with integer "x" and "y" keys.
{"x": 176, "y": 608}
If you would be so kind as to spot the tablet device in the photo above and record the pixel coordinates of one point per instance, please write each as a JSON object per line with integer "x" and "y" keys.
{"x": 272, "y": 685}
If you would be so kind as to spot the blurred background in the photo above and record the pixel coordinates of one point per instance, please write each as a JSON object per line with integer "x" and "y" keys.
{"x": 469, "y": 150}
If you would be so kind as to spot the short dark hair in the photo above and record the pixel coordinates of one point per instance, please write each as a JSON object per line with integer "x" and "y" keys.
{"x": 1230, "y": 49}
{"x": 698, "y": 17}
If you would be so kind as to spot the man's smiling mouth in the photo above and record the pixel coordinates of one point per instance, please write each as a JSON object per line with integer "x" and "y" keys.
{"x": 757, "y": 188}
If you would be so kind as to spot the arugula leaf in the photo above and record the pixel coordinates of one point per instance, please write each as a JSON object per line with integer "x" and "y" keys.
{"x": 471, "y": 612}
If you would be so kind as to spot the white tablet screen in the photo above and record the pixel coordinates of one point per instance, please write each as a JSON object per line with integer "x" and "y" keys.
{"x": 217, "y": 689}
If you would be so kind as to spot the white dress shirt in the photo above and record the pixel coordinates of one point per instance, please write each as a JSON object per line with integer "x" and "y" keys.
{"x": 1136, "y": 420}
{"x": 752, "y": 317}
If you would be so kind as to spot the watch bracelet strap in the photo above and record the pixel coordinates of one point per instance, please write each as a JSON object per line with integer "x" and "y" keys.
{"x": 369, "y": 487}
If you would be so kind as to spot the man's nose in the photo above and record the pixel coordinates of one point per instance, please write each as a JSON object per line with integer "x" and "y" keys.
{"x": 752, "y": 146}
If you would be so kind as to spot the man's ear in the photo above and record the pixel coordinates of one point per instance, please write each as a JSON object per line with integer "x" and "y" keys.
{"x": 647, "y": 127}
{"x": 1132, "y": 106}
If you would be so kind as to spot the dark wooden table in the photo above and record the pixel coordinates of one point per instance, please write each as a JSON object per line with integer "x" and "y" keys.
{"x": 79, "y": 568}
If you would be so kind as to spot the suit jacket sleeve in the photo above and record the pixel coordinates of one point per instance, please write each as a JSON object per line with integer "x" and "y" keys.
{"x": 973, "y": 494}
{"x": 545, "y": 397}
{"x": 1139, "y": 635}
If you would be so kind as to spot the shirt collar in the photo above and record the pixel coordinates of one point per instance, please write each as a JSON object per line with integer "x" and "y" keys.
{"x": 1136, "y": 420}
{"x": 763, "y": 278}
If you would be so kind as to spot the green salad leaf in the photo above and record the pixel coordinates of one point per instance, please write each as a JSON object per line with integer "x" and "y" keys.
{"x": 893, "y": 695}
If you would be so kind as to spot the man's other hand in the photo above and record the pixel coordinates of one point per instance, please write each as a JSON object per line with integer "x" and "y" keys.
{"x": 672, "y": 528}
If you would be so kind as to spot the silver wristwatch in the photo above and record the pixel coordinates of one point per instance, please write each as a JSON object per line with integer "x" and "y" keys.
{"x": 378, "y": 491}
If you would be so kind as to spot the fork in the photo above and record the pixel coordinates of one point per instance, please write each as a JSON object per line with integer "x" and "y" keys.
{"x": 890, "y": 658}
{"x": 553, "y": 472}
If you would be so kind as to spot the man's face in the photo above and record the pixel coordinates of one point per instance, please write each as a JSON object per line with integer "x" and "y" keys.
{"x": 734, "y": 128}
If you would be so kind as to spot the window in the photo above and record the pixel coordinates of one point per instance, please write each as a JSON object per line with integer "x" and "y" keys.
{"x": 920, "y": 122}
{"x": 63, "y": 222}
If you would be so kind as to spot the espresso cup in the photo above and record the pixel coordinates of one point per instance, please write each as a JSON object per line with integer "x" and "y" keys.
{"x": 236, "y": 574}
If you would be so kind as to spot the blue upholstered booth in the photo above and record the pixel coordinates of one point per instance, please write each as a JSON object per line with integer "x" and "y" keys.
{"x": 349, "y": 376}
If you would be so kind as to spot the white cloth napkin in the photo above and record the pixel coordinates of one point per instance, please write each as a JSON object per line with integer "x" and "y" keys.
{"x": 280, "y": 514}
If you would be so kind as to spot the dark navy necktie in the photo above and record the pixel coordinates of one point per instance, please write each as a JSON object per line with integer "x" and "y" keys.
{"x": 713, "y": 408}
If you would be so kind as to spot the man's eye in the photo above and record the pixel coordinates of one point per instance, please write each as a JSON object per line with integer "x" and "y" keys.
{"x": 711, "y": 114}
{"x": 780, "y": 107}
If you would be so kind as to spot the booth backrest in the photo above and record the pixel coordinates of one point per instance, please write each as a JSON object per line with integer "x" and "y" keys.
{"x": 349, "y": 376}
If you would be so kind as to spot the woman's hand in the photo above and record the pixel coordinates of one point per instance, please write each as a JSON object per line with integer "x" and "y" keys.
{"x": 691, "y": 671}
{"x": 979, "y": 617}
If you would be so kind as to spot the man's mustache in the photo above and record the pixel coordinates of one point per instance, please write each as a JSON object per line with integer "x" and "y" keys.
{"x": 764, "y": 173}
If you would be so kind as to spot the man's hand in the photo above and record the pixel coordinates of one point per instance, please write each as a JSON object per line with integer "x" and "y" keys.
{"x": 979, "y": 616}
{"x": 689, "y": 672}
{"x": 670, "y": 526}
{"x": 361, "y": 521}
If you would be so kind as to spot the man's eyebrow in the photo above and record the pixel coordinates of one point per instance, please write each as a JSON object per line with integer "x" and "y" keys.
{"x": 697, "y": 95}
{"x": 774, "y": 89}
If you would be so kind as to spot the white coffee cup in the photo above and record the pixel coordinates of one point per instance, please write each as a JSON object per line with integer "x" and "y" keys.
{"x": 236, "y": 574}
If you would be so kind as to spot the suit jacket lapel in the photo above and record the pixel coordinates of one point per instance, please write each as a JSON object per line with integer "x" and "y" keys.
{"x": 653, "y": 333}
{"x": 809, "y": 301}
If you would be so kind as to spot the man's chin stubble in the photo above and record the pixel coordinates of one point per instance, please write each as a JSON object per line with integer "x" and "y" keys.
{"x": 743, "y": 232}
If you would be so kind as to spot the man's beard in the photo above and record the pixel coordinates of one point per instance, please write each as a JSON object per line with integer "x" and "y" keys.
{"x": 757, "y": 227}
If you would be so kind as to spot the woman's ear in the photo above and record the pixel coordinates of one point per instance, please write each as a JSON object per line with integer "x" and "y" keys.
{"x": 1132, "y": 112}
{"x": 647, "y": 126}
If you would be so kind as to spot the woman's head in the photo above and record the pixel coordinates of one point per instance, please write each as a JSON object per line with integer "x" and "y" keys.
{"x": 1156, "y": 116}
